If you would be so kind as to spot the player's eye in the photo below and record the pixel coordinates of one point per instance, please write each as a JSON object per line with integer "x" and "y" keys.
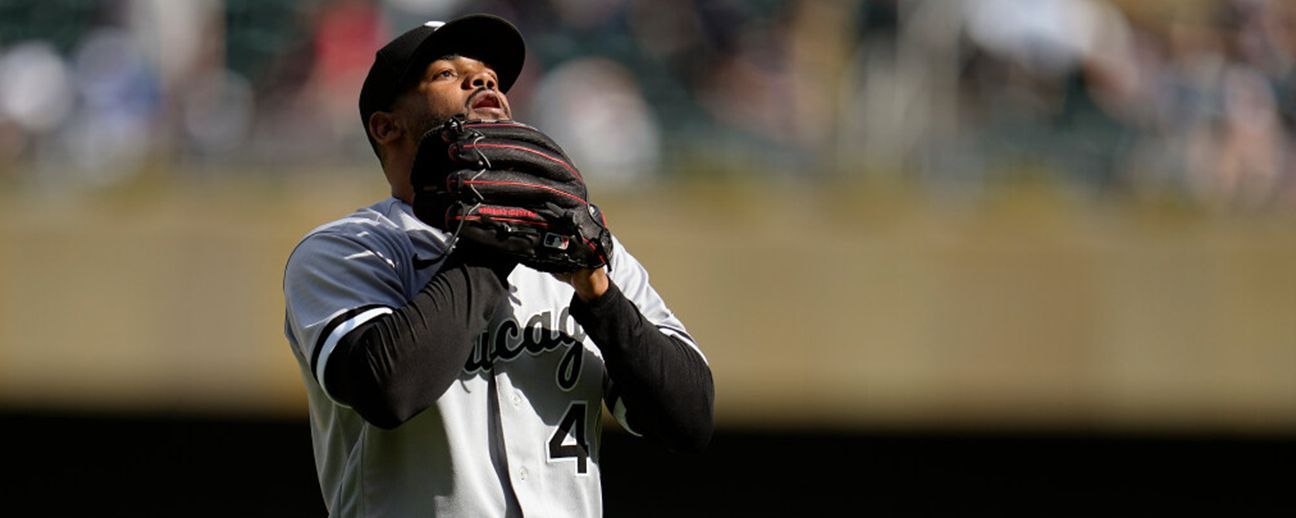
{"x": 444, "y": 73}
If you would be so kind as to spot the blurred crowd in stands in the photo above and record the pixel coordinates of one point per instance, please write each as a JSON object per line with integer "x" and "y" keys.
{"x": 1192, "y": 99}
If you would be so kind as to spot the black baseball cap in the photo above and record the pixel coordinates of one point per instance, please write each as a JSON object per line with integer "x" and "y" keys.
{"x": 484, "y": 37}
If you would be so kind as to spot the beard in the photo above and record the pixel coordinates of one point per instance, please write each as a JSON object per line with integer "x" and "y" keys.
{"x": 425, "y": 120}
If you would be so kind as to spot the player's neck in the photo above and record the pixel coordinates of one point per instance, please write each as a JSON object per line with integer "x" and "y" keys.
{"x": 398, "y": 176}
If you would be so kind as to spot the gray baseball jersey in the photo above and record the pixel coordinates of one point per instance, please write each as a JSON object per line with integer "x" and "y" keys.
{"x": 517, "y": 432}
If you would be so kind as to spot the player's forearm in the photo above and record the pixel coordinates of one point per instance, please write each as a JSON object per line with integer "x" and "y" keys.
{"x": 664, "y": 382}
{"x": 394, "y": 366}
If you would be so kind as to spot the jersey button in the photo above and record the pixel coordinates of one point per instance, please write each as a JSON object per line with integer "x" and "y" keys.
{"x": 517, "y": 400}
{"x": 522, "y": 473}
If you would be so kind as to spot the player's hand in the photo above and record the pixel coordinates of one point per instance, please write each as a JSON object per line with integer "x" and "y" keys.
{"x": 589, "y": 283}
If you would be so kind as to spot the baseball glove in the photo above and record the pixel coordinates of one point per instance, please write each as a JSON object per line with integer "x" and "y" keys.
{"x": 508, "y": 188}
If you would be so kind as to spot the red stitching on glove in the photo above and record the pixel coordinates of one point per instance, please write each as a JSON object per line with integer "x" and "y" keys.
{"x": 524, "y": 184}
{"x": 509, "y": 211}
{"x": 506, "y": 220}
{"x": 569, "y": 167}
{"x": 594, "y": 248}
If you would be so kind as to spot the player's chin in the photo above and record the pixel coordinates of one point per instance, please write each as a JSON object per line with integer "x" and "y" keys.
{"x": 488, "y": 114}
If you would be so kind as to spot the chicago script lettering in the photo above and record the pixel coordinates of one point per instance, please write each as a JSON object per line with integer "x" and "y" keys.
{"x": 507, "y": 340}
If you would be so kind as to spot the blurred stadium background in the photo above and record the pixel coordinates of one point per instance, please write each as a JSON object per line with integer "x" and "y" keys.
{"x": 969, "y": 255}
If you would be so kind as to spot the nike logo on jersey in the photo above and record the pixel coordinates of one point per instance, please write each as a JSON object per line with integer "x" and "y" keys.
{"x": 421, "y": 263}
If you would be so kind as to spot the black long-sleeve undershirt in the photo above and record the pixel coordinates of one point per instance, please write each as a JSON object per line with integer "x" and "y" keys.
{"x": 666, "y": 385}
{"x": 396, "y": 365}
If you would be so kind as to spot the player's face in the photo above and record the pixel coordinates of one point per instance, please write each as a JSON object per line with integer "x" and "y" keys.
{"x": 458, "y": 85}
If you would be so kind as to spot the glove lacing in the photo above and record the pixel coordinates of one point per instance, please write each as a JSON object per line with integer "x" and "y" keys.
{"x": 486, "y": 165}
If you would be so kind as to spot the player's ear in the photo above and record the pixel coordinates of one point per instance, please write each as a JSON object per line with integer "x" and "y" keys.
{"x": 385, "y": 128}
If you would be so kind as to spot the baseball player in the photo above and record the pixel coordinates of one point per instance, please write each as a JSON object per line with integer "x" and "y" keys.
{"x": 459, "y": 340}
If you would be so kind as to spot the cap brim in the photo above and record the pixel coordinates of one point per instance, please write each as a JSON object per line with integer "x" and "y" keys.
{"x": 486, "y": 38}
